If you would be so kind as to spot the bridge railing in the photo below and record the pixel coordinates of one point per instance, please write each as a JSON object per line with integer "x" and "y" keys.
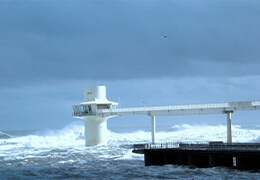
{"x": 156, "y": 146}
{"x": 199, "y": 146}
{"x": 163, "y": 108}
{"x": 173, "y": 107}
{"x": 230, "y": 106}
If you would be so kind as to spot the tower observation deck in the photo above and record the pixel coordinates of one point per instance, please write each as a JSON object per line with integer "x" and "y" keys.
{"x": 96, "y": 109}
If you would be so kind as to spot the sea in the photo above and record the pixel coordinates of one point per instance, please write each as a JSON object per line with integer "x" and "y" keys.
{"x": 61, "y": 154}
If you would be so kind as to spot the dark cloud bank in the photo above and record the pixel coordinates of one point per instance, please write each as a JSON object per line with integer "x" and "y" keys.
{"x": 65, "y": 40}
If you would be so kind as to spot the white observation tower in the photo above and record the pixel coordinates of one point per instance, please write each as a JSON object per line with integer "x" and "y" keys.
{"x": 95, "y": 126}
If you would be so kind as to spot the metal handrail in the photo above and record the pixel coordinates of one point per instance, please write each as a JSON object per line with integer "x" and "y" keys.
{"x": 199, "y": 146}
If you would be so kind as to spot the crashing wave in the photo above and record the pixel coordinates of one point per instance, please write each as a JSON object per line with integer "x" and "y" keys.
{"x": 4, "y": 135}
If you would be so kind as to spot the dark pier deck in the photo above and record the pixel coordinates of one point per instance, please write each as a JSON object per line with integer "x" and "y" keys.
{"x": 237, "y": 155}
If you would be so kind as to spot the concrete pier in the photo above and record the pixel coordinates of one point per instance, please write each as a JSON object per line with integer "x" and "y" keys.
{"x": 219, "y": 160}
{"x": 247, "y": 155}
{"x": 250, "y": 162}
{"x": 198, "y": 160}
{"x": 182, "y": 159}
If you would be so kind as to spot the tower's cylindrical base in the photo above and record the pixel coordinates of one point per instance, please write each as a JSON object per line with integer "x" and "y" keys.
{"x": 95, "y": 130}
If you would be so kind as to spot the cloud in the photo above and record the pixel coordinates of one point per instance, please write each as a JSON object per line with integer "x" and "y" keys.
{"x": 56, "y": 41}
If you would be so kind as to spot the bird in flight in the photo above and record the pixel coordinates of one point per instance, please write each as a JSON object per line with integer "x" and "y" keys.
{"x": 164, "y": 35}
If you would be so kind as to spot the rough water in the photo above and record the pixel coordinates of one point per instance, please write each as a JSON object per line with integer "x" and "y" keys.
{"x": 61, "y": 154}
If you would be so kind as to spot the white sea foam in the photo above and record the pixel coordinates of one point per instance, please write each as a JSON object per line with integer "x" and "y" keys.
{"x": 71, "y": 138}
{"x": 187, "y": 132}
{"x": 57, "y": 139}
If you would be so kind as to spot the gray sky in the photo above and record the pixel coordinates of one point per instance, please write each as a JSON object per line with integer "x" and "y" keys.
{"x": 50, "y": 50}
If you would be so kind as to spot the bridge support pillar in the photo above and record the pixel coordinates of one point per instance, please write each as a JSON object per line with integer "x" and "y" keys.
{"x": 153, "y": 129}
{"x": 229, "y": 132}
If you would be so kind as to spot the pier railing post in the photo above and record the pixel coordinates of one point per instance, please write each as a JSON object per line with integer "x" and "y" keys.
{"x": 153, "y": 129}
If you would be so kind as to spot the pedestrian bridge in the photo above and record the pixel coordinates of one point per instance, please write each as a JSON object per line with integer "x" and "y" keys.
{"x": 178, "y": 110}
{"x": 96, "y": 109}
